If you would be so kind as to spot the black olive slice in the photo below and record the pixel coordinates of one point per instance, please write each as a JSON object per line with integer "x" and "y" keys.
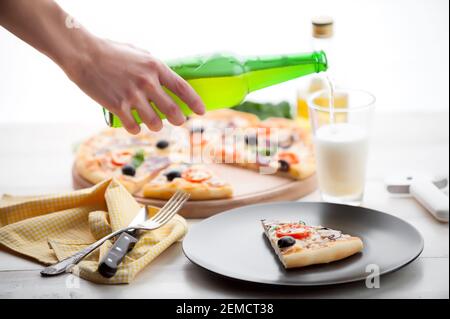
{"x": 286, "y": 241}
{"x": 283, "y": 166}
{"x": 128, "y": 170}
{"x": 162, "y": 144}
{"x": 172, "y": 175}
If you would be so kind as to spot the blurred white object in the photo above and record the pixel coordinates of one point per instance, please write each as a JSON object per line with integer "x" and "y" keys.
{"x": 426, "y": 190}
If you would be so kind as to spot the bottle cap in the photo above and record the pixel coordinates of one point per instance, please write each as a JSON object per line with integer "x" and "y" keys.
{"x": 322, "y": 27}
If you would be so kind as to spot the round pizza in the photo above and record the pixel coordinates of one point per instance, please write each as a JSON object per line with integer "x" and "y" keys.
{"x": 156, "y": 164}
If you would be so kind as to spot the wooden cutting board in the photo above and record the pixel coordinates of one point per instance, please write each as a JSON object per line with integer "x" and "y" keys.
{"x": 250, "y": 187}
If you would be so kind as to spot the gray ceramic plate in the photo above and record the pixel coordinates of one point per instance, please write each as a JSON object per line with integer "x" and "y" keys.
{"x": 232, "y": 244}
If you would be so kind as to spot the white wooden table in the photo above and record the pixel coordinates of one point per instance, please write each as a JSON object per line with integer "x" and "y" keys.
{"x": 37, "y": 158}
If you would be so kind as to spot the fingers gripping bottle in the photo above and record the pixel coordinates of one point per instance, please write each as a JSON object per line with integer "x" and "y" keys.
{"x": 223, "y": 80}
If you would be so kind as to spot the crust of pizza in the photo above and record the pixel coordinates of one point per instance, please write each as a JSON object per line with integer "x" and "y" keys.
{"x": 90, "y": 174}
{"x": 332, "y": 252}
{"x": 88, "y": 167}
{"x": 301, "y": 171}
{"x": 160, "y": 188}
{"x": 196, "y": 191}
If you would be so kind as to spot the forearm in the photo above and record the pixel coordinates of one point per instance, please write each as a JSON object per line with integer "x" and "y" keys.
{"x": 44, "y": 25}
{"x": 119, "y": 77}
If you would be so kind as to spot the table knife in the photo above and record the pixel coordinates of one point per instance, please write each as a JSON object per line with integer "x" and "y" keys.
{"x": 110, "y": 262}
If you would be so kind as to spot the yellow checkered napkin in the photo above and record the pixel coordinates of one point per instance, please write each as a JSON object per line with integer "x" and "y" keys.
{"x": 51, "y": 228}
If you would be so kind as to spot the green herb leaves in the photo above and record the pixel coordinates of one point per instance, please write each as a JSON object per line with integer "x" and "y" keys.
{"x": 266, "y": 110}
{"x": 138, "y": 158}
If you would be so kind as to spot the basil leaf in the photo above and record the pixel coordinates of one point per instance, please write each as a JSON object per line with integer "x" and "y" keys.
{"x": 138, "y": 158}
{"x": 265, "y": 110}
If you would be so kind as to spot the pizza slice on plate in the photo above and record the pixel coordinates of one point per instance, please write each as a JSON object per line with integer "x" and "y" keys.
{"x": 197, "y": 180}
{"x": 299, "y": 245}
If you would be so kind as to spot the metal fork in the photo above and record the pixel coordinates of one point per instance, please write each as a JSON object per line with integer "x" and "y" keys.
{"x": 164, "y": 215}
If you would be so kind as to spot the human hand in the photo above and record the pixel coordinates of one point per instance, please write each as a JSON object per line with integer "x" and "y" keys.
{"x": 118, "y": 76}
{"x": 121, "y": 77}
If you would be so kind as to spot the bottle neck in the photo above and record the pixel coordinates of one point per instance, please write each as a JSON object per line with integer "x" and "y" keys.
{"x": 262, "y": 72}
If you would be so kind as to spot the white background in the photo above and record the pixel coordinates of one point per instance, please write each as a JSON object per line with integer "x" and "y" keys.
{"x": 398, "y": 49}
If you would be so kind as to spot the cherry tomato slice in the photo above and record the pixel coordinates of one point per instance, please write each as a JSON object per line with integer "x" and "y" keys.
{"x": 289, "y": 157}
{"x": 294, "y": 230}
{"x": 196, "y": 175}
{"x": 121, "y": 158}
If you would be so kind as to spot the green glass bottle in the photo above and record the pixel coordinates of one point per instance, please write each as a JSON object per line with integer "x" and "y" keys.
{"x": 223, "y": 81}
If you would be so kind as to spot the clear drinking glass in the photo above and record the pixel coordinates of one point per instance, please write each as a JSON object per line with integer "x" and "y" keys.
{"x": 341, "y": 142}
